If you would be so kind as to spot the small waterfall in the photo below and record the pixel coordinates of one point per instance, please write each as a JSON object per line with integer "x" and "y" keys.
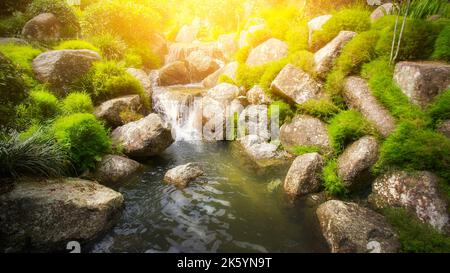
{"x": 182, "y": 110}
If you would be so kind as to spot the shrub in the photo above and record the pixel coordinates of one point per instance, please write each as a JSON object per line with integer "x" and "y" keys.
{"x": 132, "y": 60}
{"x": 62, "y": 11}
{"x": 21, "y": 55}
{"x": 111, "y": 47}
{"x": 425, "y": 8}
{"x": 415, "y": 236}
{"x": 12, "y": 89}
{"x": 346, "y": 127}
{"x": 8, "y": 7}
{"x": 284, "y": 110}
{"x": 76, "y": 44}
{"x": 414, "y": 45}
{"x": 439, "y": 110}
{"x": 43, "y": 104}
{"x": 357, "y": 20}
{"x": 442, "y": 45}
{"x": 149, "y": 59}
{"x": 12, "y": 25}
{"x": 77, "y": 102}
{"x": 410, "y": 147}
{"x": 36, "y": 155}
{"x": 333, "y": 184}
{"x": 84, "y": 138}
{"x": 323, "y": 109}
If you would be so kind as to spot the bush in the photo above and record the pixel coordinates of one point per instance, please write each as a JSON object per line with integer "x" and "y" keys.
{"x": 132, "y": 60}
{"x": 21, "y": 55}
{"x": 439, "y": 110}
{"x": 12, "y": 89}
{"x": 323, "y": 108}
{"x": 333, "y": 184}
{"x": 357, "y": 20}
{"x": 415, "y": 236}
{"x": 36, "y": 155}
{"x": 77, "y": 102}
{"x": 61, "y": 10}
{"x": 149, "y": 59}
{"x": 410, "y": 147}
{"x": 8, "y": 7}
{"x": 111, "y": 47}
{"x": 442, "y": 45}
{"x": 346, "y": 127}
{"x": 76, "y": 44}
{"x": 12, "y": 25}
{"x": 284, "y": 110}
{"x": 414, "y": 45}
{"x": 84, "y": 138}
{"x": 43, "y": 104}
{"x": 425, "y": 8}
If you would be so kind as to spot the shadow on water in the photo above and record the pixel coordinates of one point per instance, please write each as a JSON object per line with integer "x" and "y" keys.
{"x": 230, "y": 209}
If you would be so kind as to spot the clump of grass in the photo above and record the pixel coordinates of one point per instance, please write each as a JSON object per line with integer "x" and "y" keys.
{"x": 301, "y": 150}
{"x": 77, "y": 102}
{"x": 36, "y": 155}
{"x": 110, "y": 46}
{"x": 442, "y": 45}
{"x": 21, "y": 55}
{"x": 284, "y": 110}
{"x": 333, "y": 184}
{"x": 439, "y": 109}
{"x": 415, "y": 236}
{"x": 323, "y": 109}
{"x": 43, "y": 104}
{"x": 77, "y": 44}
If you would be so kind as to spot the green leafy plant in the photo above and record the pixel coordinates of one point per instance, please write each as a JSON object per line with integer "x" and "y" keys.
{"x": 43, "y": 104}
{"x": 111, "y": 47}
{"x": 424, "y": 8}
{"x": 333, "y": 184}
{"x": 12, "y": 25}
{"x": 76, "y": 44}
{"x": 442, "y": 45}
{"x": 21, "y": 55}
{"x": 77, "y": 102}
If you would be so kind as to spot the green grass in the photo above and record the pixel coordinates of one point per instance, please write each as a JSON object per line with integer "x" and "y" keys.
{"x": 43, "y": 104}
{"x": 77, "y": 102}
{"x": 21, "y": 55}
{"x": 76, "y": 44}
{"x": 442, "y": 45}
{"x": 439, "y": 109}
{"x": 323, "y": 109}
{"x": 301, "y": 150}
{"x": 333, "y": 184}
{"x": 284, "y": 110}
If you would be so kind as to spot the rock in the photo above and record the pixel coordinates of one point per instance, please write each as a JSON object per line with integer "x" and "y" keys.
{"x": 317, "y": 24}
{"x": 224, "y": 93}
{"x": 243, "y": 37}
{"x": 358, "y": 96}
{"x": 257, "y": 96}
{"x": 228, "y": 70}
{"x": 296, "y": 85}
{"x": 316, "y": 199}
{"x": 303, "y": 176}
{"x": 45, "y": 215}
{"x": 114, "y": 168}
{"x": 355, "y": 162}
{"x": 60, "y": 68}
{"x": 143, "y": 78}
{"x": 261, "y": 152}
{"x": 228, "y": 44}
{"x": 142, "y": 138}
{"x": 269, "y": 51}
{"x": 43, "y": 28}
{"x": 174, "y": 73}
{"x": 325, "y": 57}
{"x": 180, "y": 51}
{"x": 110, "y": 111}
{"x": 201, "y": 65}
{"x": 422, "y": 81}
{"x": 304, "y": 131}
{"x": 444, "y": 128}
{"x": 15, "y": 41}
{"x": 187, "y": 34}
{"x": 416, "y": 192}
{"x": 383, "y": 10}
{"x": 181, "y": 176}
{"x": 350, "y": 228}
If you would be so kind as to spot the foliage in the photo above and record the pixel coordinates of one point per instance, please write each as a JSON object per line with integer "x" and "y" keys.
{"x": 12, "y": 25}
{"x": 439, "y": 109}
{"x": 249, "y": 76}
{"x": 83, "y": 137}
{"x": 270, "y": 73}
{"x": 149, "y": 59}
{"x": 301, "y": 150}
{"x": 425, "y": 8}
{"x": 357, "y": 20}
{"x": 36, "y": 155}
{"x": 128, "y": 116}
{"x": 111, "y": 47}
{"x": 442, "y": 45}
{"x": 411, "y": 147}
{"x": 21, "y": 55}
{"x": 43, "y": 104}
{"x": 76, "y": 44}
{"x": 284, "y": 110}
{"x": 322, "y": 108}
{"x": 415, "y": 236}
{"x": 132, "y": 60}
{"x": 320, "y": 7}
{"x": 346, "y": 127}
{"x": 8, "y": 7}
{"x": 60, "y": 9}
{"x": 333, "y": 184}
{"x": 258, "y": 37}
{"x": 77, "y": 102}
{"x": 242, "y": 54}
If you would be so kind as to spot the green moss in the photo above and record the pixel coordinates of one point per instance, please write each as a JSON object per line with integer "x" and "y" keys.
{"x": 76, "y": 44}
{"x": 258, "y": 37}
{"x": 410, "y": 147}
{"x": 297, "y": 36}
{"x": 332, "y": 182}
{"x": 77, "y": 102}
{"x": 301, "y": 150}
{"x": 346, "y": 127}
{"x": 21, "y": 55}
{"x": 84, "y": 138}
{"x": 415, "y": 236}
{"x": 249, "y": 76}
{"x": 323, "y": 109}
{"x": 442, "y": 45}
{"x": 269, "y": 74}
{"x": 225, "y": 79}
{"x": 284, "y": 110}
{"x": 439, "y": 109}
{"x": 357, "y": 20}
{"x": 242, "y": 54}
{"x": 43, "y": 104}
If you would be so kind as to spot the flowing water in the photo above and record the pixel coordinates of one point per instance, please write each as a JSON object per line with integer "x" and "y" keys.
{"x": 234, "y": 207}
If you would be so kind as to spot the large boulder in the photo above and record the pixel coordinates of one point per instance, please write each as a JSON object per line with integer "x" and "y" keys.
{"x": 143, "y": 78}
{"x": 114, "y": 168}
{"x": 444, "y": 128}
{"x": 45, "y": 215}
{"x": 422, "y": 81}
{"x": 269, "y": 51}
{"x": 174, "y": 73}
{"x": 325, "y": 57}
{"x": 43, "y": 28}
{"x": 303, "y": 176}
{"x": 180, "y": 51}
{"x": 146, "y": 137}
{"x": 351, "y": 228}
{"x": 317, "y": 24}
{"x": 60, "y": 68}
{"x": 229, "y": 70}
{"x": 201, "y": 65}
{"x": 181, "y": 176}
{"x": 257, "y": 96}
{"x": 383, "y": 10}
{"x": 296, "y": 85}
{"x": 416, "y": 192}
{"x": 261, "y": 152}
{"x": 224, "y": 93}
{"x": 358, "y": 96}
{"x": 304, "y": 130}
{"x": 355, "y": 162}
{"x": 111, "y": 111}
